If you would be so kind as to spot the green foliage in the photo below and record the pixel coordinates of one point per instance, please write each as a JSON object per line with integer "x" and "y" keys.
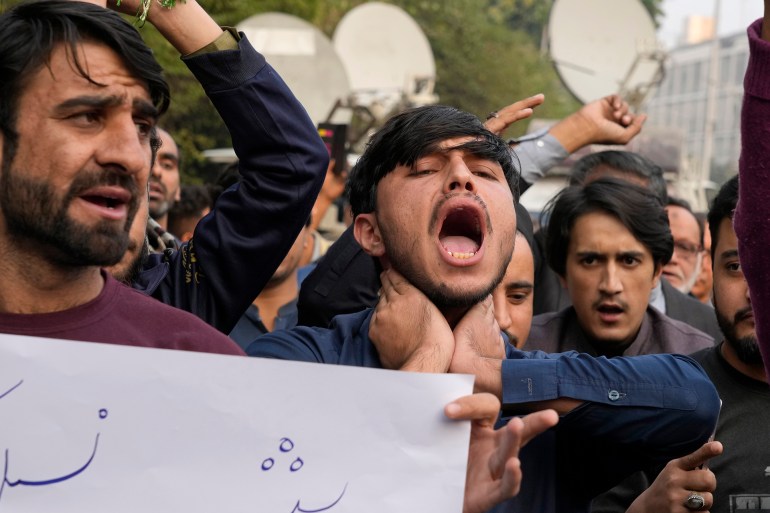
{"x": 487, "y": 56}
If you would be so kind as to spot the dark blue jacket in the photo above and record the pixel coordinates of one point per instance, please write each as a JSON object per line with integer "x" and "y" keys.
{"x": 238, "y": 246}
{"x": 639, "y": 412}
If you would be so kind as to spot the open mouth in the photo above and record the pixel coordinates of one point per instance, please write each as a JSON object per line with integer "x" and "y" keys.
{"x": 109, "y": 198}
{"x": 104, "y": 201}
{"x": 157, "y": 190}
{"x": 610, "y": 309}
{"x": 461, "y": 235}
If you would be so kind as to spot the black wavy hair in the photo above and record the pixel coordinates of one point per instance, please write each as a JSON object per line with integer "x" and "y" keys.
{"x": 636, "y": 207}
{"x": 417, "y": 132}
{"x": 625, "y": 162}
{"x": 30, "y": 31}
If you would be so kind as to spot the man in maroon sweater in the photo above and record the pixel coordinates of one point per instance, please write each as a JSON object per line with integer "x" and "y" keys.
{"x": 78, "y": 136}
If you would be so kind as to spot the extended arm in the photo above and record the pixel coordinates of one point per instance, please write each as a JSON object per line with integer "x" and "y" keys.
{"x": 237, "y": 247}
{"x": 604, "y": 121}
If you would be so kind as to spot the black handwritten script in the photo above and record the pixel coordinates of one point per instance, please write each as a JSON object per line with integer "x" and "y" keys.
{"x": 285, "y": 446}
{"x": 12, "y": 483}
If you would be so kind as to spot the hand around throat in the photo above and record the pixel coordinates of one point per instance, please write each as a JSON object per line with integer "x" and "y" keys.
{"x": 411, "y": 333}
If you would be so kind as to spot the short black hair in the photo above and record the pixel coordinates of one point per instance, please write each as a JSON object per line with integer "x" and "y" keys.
{"x": 625, "y": 162}
{"x": 30, "y": 31}
{"x": 411, "y": 134}
{"x": 722, "y": 206}
{"x": 636, "y": 207}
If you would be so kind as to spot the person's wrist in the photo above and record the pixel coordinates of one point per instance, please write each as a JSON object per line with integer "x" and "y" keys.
{"x": 187, "y": 26}
{"x": 574, "y": 132}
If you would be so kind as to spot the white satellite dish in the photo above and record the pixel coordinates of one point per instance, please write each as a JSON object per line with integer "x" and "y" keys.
{"x": 305, "y": 59}
{"x": 387, "y": 56}
{"x": 602, "y": 47}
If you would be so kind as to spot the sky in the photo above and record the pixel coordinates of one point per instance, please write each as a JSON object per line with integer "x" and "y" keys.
{"x": 735, "y": 16}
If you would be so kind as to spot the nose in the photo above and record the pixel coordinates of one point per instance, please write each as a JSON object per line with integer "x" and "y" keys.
{"x": 459, "y": 178}
{"x": 123, "y": 148}
{"x": 610, "y": 283}
{"x": 499, "y": 303}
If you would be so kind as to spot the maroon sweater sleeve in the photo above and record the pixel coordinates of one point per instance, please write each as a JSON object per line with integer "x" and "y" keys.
{"x": 752, "y": 216}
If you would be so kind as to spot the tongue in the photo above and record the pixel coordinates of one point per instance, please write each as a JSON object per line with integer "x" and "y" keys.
{"x": 459, "y": 244}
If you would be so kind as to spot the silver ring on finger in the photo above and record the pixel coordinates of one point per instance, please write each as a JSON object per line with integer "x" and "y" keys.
{"x": 695, "y": 502}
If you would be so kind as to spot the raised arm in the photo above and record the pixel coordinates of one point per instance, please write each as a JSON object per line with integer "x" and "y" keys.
{"x": 282, "y": 162}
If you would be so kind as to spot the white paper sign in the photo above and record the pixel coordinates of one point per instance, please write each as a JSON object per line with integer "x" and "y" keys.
{"x": 95, "y": 428}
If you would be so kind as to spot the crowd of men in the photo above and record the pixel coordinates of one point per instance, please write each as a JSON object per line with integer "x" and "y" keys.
{"x": 577, "y": 333}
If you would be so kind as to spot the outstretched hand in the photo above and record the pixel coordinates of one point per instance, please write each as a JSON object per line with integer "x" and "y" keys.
{"x": 494, "y": 469}
{"x": 681, "y": 477}
{"x": 512, "y": 113}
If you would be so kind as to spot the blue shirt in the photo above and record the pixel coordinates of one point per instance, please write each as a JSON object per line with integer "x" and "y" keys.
{"x": 639, "y": 412}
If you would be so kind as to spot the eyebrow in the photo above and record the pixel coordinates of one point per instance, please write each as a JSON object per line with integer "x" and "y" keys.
{"x": 520, "y": 285}
{"x": 730, "y": 253}
{"x": 474, "y": 148}
{"x": 167, "y": 156}
{"x": 622, "y": 254}
{"x": 143, "y": 107}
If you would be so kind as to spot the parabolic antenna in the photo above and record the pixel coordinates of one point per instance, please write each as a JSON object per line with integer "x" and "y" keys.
{"x": 304, "y": 57}
{"x": 602, "y": 47}
{"x": 385, "y": 53}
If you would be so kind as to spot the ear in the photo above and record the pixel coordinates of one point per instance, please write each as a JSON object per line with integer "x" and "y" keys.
{"x": 562, "y": 281}
{"x": 366, "y": 230}
{"x": 656, "y": 274}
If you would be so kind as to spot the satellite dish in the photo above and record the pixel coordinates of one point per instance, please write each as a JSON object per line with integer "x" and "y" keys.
{"x": 387, "y": 56}
{"x": 602, "y": 47}
{"x": 304, "y": 57}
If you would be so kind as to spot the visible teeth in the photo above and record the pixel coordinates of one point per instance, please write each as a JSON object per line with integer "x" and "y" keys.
{"x": 462, "y": 256}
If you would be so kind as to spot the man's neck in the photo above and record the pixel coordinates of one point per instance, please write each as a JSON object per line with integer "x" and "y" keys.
{"x": 274, "y": 296}
{"x": 454, "y": 315}
{"x": 754, "y": 371}
{"x": 32, "y": 284}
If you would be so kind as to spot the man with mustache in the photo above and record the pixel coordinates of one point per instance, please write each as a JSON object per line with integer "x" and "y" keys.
{"x": 79, "y": 103}
{"x": 735, "y": 367}
{"x": 631, "y": 167}
{"x": 164, "y": 179}
{"x": 608, "y": 241}
{"x": 433, "y": 200}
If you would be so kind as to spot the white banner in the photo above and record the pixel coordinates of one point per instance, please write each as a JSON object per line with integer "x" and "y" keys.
{"x": 90, "y": 427}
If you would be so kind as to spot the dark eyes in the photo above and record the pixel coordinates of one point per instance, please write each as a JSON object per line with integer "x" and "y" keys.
{"x": 517, "y": 297}
{"x": 630, "y": 260}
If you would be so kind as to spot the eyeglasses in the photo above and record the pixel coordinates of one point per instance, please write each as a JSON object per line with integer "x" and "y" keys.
{"x": 686, "y": 250}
